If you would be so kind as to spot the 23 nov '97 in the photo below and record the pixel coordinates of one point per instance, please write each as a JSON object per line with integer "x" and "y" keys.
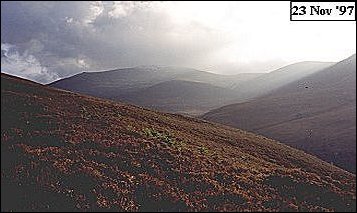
{"x": 317, "y": 10}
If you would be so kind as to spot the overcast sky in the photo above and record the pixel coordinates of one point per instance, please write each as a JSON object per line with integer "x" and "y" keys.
{"x": 44, "y": 41}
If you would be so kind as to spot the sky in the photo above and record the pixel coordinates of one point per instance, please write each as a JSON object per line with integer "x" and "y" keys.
{"x": 46, "y": 41}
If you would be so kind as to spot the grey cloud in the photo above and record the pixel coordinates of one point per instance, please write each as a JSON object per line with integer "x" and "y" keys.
{"x": 23, "y": 65}
{"x": 68, "y": 37}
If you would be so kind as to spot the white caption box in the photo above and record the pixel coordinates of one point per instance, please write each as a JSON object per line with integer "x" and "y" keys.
{"x": 322, "y": 11}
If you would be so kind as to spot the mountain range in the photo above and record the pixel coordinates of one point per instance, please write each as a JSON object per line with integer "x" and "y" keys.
{"x": 182, "y": 90}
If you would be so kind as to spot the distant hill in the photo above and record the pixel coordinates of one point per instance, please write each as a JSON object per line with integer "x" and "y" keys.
{"x": 269, "y": 82}
{"x": 316, "y": 114}
{"x": 141, "y": 85}
{"x": 115, "y": 83}
{"x": 61, "y": 151}
{"x": 185, "y": 97}
{"x": 108, "y": 84}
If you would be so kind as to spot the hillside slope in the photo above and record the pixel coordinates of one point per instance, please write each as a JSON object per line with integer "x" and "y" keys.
{"x": 65, "y": 151}
{"x": 271, "y": 81}
{"x": 316, "y": 114}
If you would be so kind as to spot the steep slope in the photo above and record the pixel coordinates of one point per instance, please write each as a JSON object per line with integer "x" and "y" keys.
{"x": 316, "y": 114}
{"x": 269, "y": 82}
{"x": 183, "y": 97}
{"x": 65, "y": 151}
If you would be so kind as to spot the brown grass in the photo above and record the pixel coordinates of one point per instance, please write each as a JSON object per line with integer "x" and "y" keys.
{"x": 69, "y": 152}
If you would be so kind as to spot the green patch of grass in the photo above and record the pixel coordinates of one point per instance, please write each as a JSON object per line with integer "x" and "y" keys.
{"x": 203, "y": 150}
{"x": 165, "y": 138}
{"x": 84, "y": 113}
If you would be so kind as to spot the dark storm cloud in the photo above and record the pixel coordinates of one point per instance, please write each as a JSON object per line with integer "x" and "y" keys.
{"x": 48, "y": 40}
